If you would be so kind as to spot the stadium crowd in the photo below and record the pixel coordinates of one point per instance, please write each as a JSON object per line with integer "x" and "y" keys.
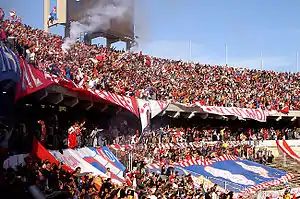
{"x": 143, "y": 76}
{"x": 196, "y": 134}
{"x": 146, "y": 77}
{"x": 55, "y": 182}
{"x": 172, "y": 145}
{"x": 58, "y": 183}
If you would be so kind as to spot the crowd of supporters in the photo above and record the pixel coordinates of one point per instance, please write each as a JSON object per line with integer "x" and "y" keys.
{"x": 196, "y": 134}
{"x": 54, "y": 182}
{"x": 146, "y": 77}
{"x": 173, "y": 145}
{"x": 143, "y": 76}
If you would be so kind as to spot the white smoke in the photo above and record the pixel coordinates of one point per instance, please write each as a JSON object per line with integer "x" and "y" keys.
{"x": 98, "y": 17}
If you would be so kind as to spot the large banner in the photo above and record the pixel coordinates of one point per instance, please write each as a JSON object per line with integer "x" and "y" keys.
{"x": 31, "y": 80}
{"x": 128, "y": 103}
{"x": 238, "y": 175}
{"x": 148, "y": 109}
{"x": 88, "y": 159}
{"x": 230, "y": 173}
{"x": 244, "y": 113}
{"x": 88, "y": 164}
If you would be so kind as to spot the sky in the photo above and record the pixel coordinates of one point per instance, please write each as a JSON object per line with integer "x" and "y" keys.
{"x": 200, "y": 30}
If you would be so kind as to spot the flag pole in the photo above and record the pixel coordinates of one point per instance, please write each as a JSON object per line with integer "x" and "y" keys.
{"x": 190, "y": 50}
{"x": 262, "y": 61}
{"x": 297, "y": 59}
{"x": 226, "y": 55}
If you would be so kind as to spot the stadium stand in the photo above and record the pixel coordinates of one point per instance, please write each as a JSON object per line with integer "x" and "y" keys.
{"x": 146, "y": 77}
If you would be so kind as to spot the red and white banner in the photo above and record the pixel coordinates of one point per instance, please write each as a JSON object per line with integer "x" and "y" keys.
{"x": 286, "y": 149}
{"x": 31, "y": 80}
{"x": 145, "y": 113}
{"x": 157, "y": 106}
{"x": 245, "y": 113}
{"x": 128, "y": 103}
{"x": 117, "y": 147}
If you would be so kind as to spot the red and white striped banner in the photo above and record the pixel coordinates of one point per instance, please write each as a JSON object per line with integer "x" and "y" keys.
{"x": 245, "y": 113}
{"x": 286, "y": 149}
{"x": 254, "y": 189}
{"x": 118, "y": 147}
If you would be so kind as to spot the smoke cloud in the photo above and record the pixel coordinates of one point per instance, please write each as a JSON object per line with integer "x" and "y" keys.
{"x": 98, "y": 17}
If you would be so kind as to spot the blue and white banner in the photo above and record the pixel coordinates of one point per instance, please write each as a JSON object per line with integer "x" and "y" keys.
{"x": 106, "y": 152}
{"x": 239, "y": 175}
{"x": 90, "y": 161}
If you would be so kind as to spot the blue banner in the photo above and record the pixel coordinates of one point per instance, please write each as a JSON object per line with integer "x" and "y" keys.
{"x": 236, "y": 175}
{"x": 112, "y": 157}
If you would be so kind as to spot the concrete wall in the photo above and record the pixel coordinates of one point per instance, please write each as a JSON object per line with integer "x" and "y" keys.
{"x": 271, "y": 145}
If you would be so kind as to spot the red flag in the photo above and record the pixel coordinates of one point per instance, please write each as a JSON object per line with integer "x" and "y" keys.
{"x": 42, "y": 153}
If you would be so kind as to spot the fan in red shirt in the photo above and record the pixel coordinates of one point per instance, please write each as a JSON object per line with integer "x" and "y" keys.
{"x": 72, "y": 139}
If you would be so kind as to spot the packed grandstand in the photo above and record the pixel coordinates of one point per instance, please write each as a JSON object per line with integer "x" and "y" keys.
{"x": 146, "y": 77}
{"x": 126, "y": 147}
